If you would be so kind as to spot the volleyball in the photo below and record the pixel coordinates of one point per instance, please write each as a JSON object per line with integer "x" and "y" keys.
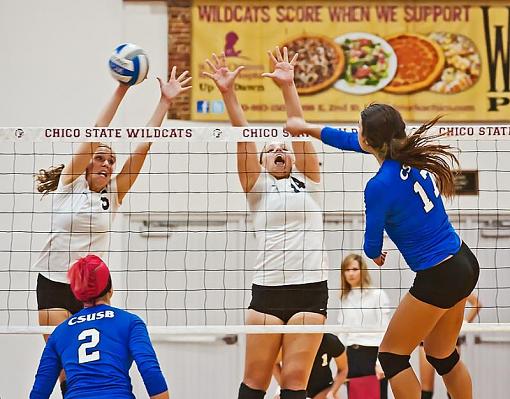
{"x": 129, "y": 64}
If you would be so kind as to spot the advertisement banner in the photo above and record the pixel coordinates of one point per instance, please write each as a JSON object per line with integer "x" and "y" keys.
{"x": 425, "y": 58}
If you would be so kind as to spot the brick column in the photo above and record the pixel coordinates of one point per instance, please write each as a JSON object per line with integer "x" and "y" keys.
{"x": 179, "y": 51}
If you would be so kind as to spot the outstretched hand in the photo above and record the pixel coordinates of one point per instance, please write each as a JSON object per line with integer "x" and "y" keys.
{"x": 296, "y": 126}
{"x": 379, "y": 261}
{"x": 221, "y": 75}
{"x": 174, "y": 86}
{"x": 283, "y": 68}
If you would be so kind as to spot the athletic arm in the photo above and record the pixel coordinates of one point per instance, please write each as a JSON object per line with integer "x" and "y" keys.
{"x": 340, "y": 139}
{"x": 85, "y": 151}
{"x": 162, "y": 395}
{"x": 131, "y": 169}
{"x": 333, "y": 137}
{"x": 47, "y": 372}
{"x": 376, "y": 206}
{"x": 145, "y": 358}
{"x": 341, "y": 374}
{"x": 475, "y": 306}
{"x": 248, "y": 166}
{"x": 307, "y": 161}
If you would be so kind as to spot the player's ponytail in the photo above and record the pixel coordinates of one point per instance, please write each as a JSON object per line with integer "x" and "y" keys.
{"x": 47, "y": 179}
{"x": 384, "y": 129}
{"x": 422, "y": 151}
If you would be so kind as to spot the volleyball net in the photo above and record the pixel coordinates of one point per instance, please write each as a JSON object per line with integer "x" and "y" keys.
{"x": 182, "y": 247}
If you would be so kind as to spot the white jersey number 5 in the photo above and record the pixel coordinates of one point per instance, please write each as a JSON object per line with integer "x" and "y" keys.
{"x": 83, "y": 356}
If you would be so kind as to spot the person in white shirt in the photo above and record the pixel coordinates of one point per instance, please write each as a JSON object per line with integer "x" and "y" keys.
{"x": 362, "y": 305}
{"x": 85, "y": 198}
{"x": 290, "y": 283}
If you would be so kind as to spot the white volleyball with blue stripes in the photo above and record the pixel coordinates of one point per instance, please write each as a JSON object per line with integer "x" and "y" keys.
{"x": 129, "y": 64}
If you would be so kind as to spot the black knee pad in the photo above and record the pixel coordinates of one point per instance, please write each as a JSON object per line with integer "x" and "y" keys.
{"x": 290, "y": 394}
{"x": 245, "y": 392}
{"x": 392, "y": 364}
{"x": 444, "y": 366}
{"x": 426, "y": 394}
{"x": 63, "y": 387}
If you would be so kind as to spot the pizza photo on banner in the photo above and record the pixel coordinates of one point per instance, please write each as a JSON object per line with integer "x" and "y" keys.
{"x": 425, "y": 58}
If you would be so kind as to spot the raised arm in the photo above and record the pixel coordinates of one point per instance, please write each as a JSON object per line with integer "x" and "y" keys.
{"x": 307, "y": 161}
{"x": 338, "y": 138}
{"x": 248, "y": 167}
{"x": 170, "y": 90}
{"x": 85, "y": 151}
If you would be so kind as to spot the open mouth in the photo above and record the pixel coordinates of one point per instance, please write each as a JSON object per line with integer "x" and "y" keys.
{"x": 103, "y": 173}
{"x": 279, "y": 160}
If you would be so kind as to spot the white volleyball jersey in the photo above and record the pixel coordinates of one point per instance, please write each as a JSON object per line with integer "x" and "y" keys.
{"x": 287, "y": 217}
{"x": 81, "y": 222}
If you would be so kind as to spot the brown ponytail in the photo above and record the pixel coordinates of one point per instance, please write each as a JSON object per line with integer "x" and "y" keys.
{"x": 421, "y": 150}
{"x": 385, "y": 131}
{"x": 47, "y": 179}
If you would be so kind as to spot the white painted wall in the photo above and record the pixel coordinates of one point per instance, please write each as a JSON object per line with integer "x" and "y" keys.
{"x": 54, "y": 72}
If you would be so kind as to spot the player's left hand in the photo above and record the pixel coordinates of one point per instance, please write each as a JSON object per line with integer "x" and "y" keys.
{"x": 379, "y": 261}
{"x": 283, "y": 73}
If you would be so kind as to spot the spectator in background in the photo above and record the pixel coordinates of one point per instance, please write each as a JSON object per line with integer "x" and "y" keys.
{"x": 362, "y": 305}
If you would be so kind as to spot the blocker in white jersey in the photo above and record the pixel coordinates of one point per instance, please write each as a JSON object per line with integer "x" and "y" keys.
{"x": 287, "y": 217}
{"x": 290, "y": 284}
{"x": 80, "y": 224}
{"x": 85, "y": 203}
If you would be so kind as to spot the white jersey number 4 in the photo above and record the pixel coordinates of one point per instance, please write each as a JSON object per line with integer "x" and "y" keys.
{"x": 83, "y": 356}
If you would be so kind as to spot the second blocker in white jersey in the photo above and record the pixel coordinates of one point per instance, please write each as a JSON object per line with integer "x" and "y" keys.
{"x": 287, "y": 217}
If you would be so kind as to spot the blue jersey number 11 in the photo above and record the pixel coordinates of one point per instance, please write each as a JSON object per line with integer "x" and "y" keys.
{"x": 427, "y": 203}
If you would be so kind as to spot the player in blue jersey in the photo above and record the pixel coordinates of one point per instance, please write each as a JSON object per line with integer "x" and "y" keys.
{"x": 97, "y": 345}
{"x": 404, "y": 199}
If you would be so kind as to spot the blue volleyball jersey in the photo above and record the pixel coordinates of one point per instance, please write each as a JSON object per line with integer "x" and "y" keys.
{"x": 96, "y": 348}
{"x": 406, "y": 203}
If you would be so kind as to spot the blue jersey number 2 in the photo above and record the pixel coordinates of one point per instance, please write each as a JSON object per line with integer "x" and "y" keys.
{"x": 83, "y": 356}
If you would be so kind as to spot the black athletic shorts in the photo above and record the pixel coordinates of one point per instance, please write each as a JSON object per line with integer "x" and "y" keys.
{"x": 284, "y": 301}
{"x": 448, "y": 282}
{"x": 54, "y": 295}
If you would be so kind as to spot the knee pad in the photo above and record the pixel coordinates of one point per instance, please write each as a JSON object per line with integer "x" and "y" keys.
{"x": 245, "y": 392}
{"x": 63, "y": 387}
{"x": 290, "y": 394}
{"x": 444, "y": 366}
{"x": 392, "y": 364}
{"x": 426, "y": 394}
